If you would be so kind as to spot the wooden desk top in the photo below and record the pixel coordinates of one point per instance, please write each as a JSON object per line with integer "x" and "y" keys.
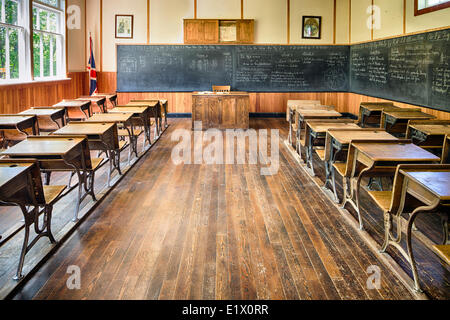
{"x": 95, "y": 99}
{"x": 432, "y": 129}
{"x": 42, "y": 111}
{"x": 72, "y": 104}
{"x": 220, "y": 94}
{"x": 7, "y": 119}
{"x": 319, "y": 113}
{"x": 408, "y": 152}
{"x": 409, "y": 115}
{"x": 162, "y": 101}
{"x": 149, "y": 103}
{"x": 345, "y": 137}
{"x": 438, "y": 182}
{"x": 321, "y": 127}
{"x": 110, "y": 117}
{"x": 43, "y": 147}
{"x": 8, "y": 173}
{"x": 129, "y": 109}
{"x": 108, "y": 95}
{"x": 293, "y": 103}
{"x": 84, "y": 128}
{"x": 379, "y": 107}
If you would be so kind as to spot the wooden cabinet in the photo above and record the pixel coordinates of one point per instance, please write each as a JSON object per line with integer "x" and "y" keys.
{"x": 228, "y": 111}
{"x": 245, "y": 31}
{"x": 201, "y": 31}
{"x": 208, "y": 31}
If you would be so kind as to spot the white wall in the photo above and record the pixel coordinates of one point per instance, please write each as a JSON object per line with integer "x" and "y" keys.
{"x": 342, "y": 21}
{"x": 166, "y": 22}
{"x": 93, "y": 28}
{"x": 360, "y": 30}
{"x": 430, "y": 20}
{"x": 76, "y": 60}
{"x": 391, "y": 18}
{"x": 323, "y": 8}
{"x": 270, "y": 20}
{"x": 168, "y": 27}
{"x": 110, "y": 9}
{"x": 218, "y": 9}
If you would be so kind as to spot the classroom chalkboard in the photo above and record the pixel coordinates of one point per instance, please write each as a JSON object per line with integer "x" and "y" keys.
{"x": 412, "y": 69}
{"x": 255, "y": 68}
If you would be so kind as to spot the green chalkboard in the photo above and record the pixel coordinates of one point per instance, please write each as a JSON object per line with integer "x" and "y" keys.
{"x": 412, "y": 69}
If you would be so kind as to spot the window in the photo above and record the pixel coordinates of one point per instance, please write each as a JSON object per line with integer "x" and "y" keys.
{"x": 48, "y": 39}
{"x": 12, "y": 39}
{"x": 426, "y": 6}
{"x": 35, "y": 51}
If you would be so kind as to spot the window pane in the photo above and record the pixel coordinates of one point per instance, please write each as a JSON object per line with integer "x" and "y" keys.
{"x": 2, "y": 53}
{"x": 11, "y": 11}
{"x": 36, "y": 55}
{"x": 43, "y": 20}
{"x": 35, "y": 13}
{"x": 54, "y": 56}
{"x": 53, "y": 3}
{"x": 46, "y": 44}
{"x": 52, "y": 22}
{"x": 14, "y": 54}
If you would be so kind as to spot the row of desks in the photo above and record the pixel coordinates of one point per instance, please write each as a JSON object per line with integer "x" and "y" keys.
{"x": 356, "y": 153}
{"x": 49, "y": 119}
{"x": 68, "y": 149}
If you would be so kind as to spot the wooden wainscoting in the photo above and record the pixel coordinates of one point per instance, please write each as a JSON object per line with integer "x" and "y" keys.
{"x": 267, "y": 102}
{"x": 354, "y": 100}
{"x": 16, "y": 98}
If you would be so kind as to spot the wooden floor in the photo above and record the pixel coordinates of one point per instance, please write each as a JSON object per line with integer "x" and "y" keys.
{"x": 214, "y": 232}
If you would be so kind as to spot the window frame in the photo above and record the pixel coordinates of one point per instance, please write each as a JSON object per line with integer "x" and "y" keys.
{"x": 26, "y": 28}
{"x": 21, "y": 28}
{"x": 61, "y": 24}
{"x": 440, "y": 6}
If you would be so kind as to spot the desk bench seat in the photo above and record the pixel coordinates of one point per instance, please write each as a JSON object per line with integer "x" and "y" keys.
{"x": 382, "y": 198}
{"x": 443, "y": 251}
{"x": 52, "y": 193}
{"x": 340, "y": 167}
{"x": 320, "y": 153}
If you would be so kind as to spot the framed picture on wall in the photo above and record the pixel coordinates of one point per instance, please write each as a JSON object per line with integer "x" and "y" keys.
{"x": 124, "y": 26}
{"x": 311, "y": 27}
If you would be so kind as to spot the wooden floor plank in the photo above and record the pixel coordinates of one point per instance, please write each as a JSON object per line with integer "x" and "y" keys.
{"x": 214, "y": 232}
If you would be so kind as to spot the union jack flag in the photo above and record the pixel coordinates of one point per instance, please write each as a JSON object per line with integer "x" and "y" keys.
{"x": 92, "y": 72}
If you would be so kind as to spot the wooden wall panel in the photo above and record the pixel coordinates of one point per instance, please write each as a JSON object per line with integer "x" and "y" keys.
{"x": 16, "y": 98}
{"x": 354, "y": 101}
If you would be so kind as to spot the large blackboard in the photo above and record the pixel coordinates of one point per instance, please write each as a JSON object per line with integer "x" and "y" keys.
{"x": 412, "y": 69}
{"x": 261, "y": 68}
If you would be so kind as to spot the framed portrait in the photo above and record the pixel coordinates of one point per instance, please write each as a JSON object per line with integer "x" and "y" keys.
{"x": 124, "y": 26}
{"x": 311, "y": 27}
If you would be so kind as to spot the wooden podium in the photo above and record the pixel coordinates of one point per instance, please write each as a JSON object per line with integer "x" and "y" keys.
{"x": 221, "y": 110}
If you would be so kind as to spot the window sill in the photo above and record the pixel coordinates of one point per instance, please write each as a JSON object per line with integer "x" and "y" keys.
{"x": 37, "y": 82}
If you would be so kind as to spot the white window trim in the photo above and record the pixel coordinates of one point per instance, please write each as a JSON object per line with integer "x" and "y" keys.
{"x": 26, "y": 45}
{"x": 61, "y": 71}
{"x": 21, "y": 28}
